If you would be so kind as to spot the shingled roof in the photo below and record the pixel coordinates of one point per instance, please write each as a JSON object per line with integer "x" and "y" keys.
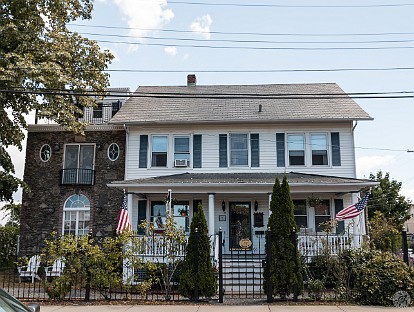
{"x": 239, "y": 104}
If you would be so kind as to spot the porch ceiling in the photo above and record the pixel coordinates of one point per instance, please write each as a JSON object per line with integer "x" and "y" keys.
{"x": 242, "y": 183}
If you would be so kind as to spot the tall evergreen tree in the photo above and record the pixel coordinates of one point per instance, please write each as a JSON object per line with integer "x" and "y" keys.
{"x": 285, "y": 268}
{"x": 206, "y": 280}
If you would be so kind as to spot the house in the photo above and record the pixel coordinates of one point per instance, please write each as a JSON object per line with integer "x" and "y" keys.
{"x": 68, "y": 176}
{"x": 409, "y": 224}
{"x": 223, "y": 145}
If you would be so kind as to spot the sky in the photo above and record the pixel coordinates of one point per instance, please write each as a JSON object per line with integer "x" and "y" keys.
{"x": 159, "y": 42}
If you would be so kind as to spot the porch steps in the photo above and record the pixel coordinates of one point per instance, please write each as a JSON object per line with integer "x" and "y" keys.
{"x": 242, "y": 275}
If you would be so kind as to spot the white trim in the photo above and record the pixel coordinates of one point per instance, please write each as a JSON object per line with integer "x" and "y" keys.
{"x": 107, "y": 151}
{"x": 40, "y": 153}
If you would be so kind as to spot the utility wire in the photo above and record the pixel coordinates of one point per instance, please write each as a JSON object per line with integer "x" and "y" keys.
{"x": 237, "y": 70}
{"x": 212, "y": 95}
{"x": 261, "y": 5}
{"x": 255, "y": 48}
{"x": 246, "y": 33}
{"x": 247, "y": 41}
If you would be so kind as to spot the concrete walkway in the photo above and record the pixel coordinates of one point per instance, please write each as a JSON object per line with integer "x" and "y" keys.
{"x": 217, "y": 308}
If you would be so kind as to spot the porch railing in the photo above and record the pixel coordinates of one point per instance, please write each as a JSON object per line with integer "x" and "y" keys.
{"x": 158, "y": 246}
{"x": 314, "y": 245}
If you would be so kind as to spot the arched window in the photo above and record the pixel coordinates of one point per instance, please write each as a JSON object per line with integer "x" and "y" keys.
{"x": 76, "y": 215}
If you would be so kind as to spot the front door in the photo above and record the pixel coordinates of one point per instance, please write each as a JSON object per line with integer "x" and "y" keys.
{"x": 240, "y": 223}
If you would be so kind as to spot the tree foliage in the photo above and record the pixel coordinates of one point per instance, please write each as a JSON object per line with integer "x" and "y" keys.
{"x": 207, "y": 282}
{"x": 285, "y": 268}
{"x": 386, "y": 198}
{"x": 40, "y": 57}
{"x": 12, "y": 212}
{"x": 8, "y": 244}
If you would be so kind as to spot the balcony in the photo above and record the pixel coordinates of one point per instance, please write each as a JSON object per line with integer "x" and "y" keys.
{"x": 77, "y": 176}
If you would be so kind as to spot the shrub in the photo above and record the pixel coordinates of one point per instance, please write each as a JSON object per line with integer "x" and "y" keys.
{"x": 8, "y": 237}
{"x": 374, "y": 276}
{"x": 206, "y": 280}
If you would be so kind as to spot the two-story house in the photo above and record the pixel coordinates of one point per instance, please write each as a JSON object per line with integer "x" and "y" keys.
{"x": 224, "y": 145}
{"x": 68, "y": 176}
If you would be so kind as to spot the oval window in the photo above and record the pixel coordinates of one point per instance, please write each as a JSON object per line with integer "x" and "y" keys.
{"x": 113, "y": 152}
{"x": 45, "y": 152}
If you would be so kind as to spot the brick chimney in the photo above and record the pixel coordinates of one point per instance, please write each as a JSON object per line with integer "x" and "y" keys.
{"x": 191, "y": 80}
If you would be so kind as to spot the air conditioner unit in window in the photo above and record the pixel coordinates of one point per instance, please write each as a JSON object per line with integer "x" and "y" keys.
{"x": 181, "y": 163}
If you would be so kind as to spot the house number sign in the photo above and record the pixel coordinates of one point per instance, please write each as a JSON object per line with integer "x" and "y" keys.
{"x": 245, "y": 243}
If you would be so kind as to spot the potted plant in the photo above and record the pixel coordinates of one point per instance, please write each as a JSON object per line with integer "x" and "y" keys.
{"x": 313, "y": 201}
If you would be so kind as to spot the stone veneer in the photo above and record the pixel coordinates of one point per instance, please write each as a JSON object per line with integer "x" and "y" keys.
{"x": 37, "y": 222}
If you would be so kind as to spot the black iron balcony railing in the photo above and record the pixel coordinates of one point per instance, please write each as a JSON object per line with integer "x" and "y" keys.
{"x": 77, "y": 176}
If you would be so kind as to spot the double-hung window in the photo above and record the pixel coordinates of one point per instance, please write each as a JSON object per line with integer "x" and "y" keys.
{"x": 97, "y": 111}
{"x": 239, "y": 149}
{"x": 182, "y": 149}
{"x": 319, "y": 146}
{"x": 159, "y": 151}
{"x": 296, "y": 148}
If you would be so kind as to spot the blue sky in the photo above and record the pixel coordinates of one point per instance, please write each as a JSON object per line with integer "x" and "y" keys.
{"x": 293, "y": 28}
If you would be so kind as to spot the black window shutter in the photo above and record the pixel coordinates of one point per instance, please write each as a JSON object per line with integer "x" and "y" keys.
{"x": 143, "y": 151}
{"x": 223, "y": 150}
{"x": 280, "y": 149}
{"x": 254, "y": 149}
{"x": 336, "y": 149}
{"x": 142, "y": 215}
{"x": 339, "y": 205}
{"x": 197, "y": 151}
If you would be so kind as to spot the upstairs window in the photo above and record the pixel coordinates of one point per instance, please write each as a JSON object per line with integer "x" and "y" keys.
{"x": 159, "y": 151}
{"x": 239, "y": 149}
{"x": 78, "y": 165}
{"x": 76, "y": 215}
{"x": 97, "y": 111}
{"x": 115, "y": 107}
{"x": 45, "y": 153}
{"x": 319, "y": 147}
{"x": 296, "y": 149}
{"x": 181, "y": 151}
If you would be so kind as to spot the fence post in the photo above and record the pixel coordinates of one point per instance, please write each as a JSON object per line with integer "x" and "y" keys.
{"x": 269, "y": 290}
{"x": 295, "y": 256}
{"x": 405, "y": 246}
{"x": 220, "y": 254}
{"x": 196, "y": 265}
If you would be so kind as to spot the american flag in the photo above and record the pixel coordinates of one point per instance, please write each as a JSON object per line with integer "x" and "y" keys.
{"x": 353, "y": 210}
{"x": 123, "y": 218}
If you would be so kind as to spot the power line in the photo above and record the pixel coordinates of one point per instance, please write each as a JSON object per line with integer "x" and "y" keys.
{"x": 248, "y": 41}
{"x": 246, "y": 33}
{"x": 261, "y": 5}
{"x": 255, "y": 48}
{"x": 239, "y": 70}
{"x": 385, "y": 95}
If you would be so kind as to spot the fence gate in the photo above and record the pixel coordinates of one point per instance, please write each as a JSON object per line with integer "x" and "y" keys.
{"x": 241, "y": 268}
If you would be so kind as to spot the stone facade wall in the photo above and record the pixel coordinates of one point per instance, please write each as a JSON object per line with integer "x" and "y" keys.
{"x": 37, "y": 219}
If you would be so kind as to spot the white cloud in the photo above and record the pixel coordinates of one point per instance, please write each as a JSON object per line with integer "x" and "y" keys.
{"x": 367, "y": 164}
{"x": 201, "y": 25}
{"x": 144, "y": 15}
{"x": 186, "y": 56}
{"x": 170, "y": 51}
{"x": 407, "y": 192}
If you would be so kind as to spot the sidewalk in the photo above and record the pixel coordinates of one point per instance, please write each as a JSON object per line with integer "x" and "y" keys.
{"x": 216, "y": 308}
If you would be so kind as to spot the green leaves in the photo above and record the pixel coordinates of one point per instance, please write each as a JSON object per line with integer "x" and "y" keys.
{"x": 38, "y": 53}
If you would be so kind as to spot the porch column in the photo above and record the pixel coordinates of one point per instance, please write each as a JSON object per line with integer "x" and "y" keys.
{"x": 211, "y": 214}
{"x": 130, "y": 206}
{"x": 270, "y": 199}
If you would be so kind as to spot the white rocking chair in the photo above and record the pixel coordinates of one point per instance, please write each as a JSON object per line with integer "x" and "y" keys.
{"x": 56, "y": 269}
{"x": 31, "y": 269}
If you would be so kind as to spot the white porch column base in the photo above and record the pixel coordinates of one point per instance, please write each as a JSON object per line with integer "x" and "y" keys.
{"x": 211, "y": 214}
